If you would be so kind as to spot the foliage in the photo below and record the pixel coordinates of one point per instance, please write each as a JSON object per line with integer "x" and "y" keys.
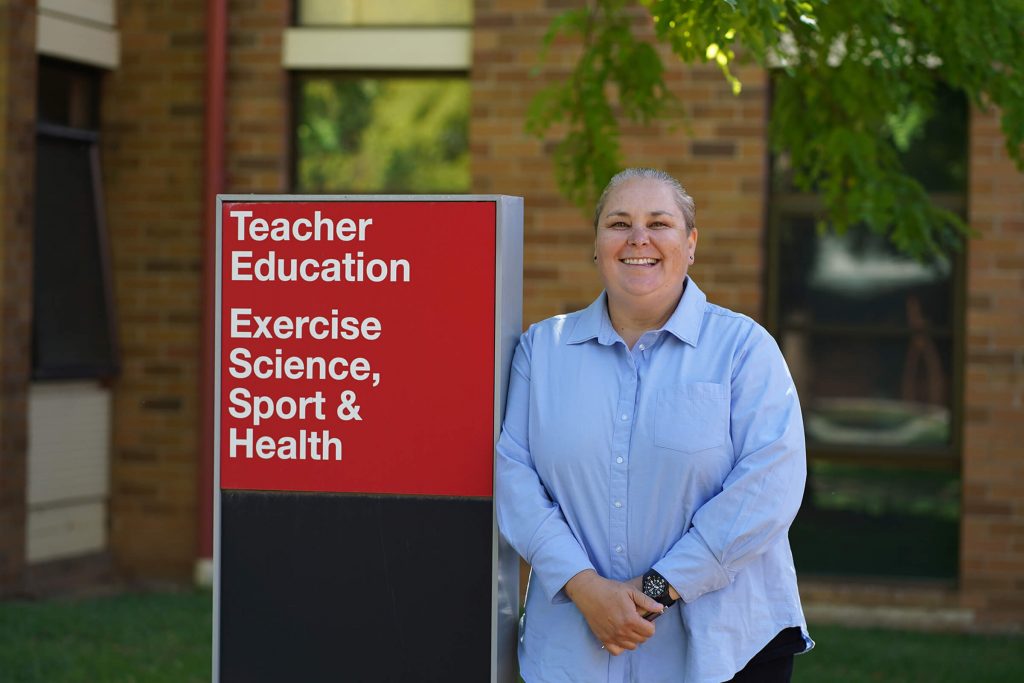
{"x": 853, "y": 81}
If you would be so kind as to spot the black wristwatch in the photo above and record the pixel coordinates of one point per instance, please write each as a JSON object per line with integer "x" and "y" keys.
{"x": 656, "y": 587}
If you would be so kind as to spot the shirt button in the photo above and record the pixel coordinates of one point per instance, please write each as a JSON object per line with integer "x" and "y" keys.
{"x": 642, "y": 347}
{"x": 618, "y": 503}
{"x": 625, "y": 417}
{"x": 619, "y": 459}
{"x": 618, "y": 548}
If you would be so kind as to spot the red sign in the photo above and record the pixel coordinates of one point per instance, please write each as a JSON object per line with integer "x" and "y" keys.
{"x": 357, "y": 346}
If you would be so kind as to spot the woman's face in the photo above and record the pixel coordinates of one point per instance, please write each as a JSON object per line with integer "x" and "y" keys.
{"x": 642, "y": 246}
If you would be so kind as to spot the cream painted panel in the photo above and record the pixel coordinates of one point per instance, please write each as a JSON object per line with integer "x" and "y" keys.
{"x": 401, "y": 12}
{"x": 77, "y": 41}
{"x": 68, "y": 442}
{"x": 55, "y": 533}
{"x": 98, "y": 11}
{"x": 412, "y": 49}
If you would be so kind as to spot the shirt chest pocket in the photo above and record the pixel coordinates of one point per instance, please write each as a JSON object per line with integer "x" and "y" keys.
{"x": 692, "y": 417}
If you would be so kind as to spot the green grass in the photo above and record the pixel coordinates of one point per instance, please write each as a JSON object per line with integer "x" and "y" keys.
{"x": 148, "y": 638}
{"x": 157, "y": 638}
{"x": 844, "y": 655}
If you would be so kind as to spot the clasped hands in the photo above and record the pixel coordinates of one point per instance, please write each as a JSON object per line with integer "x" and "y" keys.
{"x": 614, "y": 610}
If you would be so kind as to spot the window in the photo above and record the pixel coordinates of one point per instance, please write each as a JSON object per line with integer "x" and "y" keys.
{"x": 382, "y": 134}
{"x": 872, "y": 338}
{"x": 73, "y": 322}
{"x": 383, "y": 105}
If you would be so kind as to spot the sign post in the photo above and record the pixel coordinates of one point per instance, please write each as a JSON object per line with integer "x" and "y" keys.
{"x": 362, "y": 353}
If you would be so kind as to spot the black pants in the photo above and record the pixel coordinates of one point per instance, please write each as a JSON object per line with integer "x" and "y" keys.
{"x": 778, "y": 670}
{"x": 774, "y": 663}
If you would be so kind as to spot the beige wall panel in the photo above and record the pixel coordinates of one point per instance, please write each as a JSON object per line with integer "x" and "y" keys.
{"x": 407, "y": 49}
{"x": 381, "y": 12}
{"x": 69, "y": 442}
{"x": 55, "y": 533}
{"x": 78, "y": 41}
{"x": 96, "y": 11}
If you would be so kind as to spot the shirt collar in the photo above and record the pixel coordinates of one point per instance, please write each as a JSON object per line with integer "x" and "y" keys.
{"x": 593, "y": 323}
{"x": 684, "y": 323}
{"x": 686, "y": 320}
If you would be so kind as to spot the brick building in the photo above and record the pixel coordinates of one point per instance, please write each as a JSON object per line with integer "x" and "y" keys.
{"x": 110, "y": 113}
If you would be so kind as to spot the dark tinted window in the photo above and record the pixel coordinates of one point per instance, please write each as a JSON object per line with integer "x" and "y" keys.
{"x": 73, "y": 326}
{"x": 871, "y": 337}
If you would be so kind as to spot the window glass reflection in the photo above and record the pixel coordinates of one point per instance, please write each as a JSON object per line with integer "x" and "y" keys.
{"x": 891, "y": 391}
{"x": 878, "y": 521}
{"x": 399, "y": 135}
{"x": 858, "y": 278}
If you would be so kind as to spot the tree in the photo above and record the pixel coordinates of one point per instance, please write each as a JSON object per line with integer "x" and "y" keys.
{"x": 853, "y": 80}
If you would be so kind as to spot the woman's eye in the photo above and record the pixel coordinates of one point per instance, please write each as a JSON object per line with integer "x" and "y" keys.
{"x": 619, "y": 225}
{"x": 658, "y": 224}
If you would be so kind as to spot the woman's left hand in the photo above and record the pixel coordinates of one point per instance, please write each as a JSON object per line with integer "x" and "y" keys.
{"x": 613, "y": 610}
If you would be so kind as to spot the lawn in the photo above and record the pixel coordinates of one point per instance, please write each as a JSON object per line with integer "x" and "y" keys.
{"x": 846, "y": 655}
{"x": 165, "y": 638}
{"x": 148, "y": 638}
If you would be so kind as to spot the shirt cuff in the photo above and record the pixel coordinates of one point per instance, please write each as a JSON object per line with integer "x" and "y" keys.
{"x": 692, "y": 569}
{"x": 555, "y": 562}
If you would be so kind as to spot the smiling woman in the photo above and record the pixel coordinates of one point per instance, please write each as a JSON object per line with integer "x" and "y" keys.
{"x": 643, "y": 248}
{"x": 653, "y": 453}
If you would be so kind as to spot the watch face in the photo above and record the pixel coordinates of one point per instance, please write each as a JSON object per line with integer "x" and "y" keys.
{"x": 654, "y": 585}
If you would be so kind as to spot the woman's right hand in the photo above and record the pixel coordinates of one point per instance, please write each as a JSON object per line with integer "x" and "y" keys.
{"x": 612, "y": 610}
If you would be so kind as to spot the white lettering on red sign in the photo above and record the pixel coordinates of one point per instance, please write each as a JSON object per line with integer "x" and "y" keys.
{"x": 341, "y": 323}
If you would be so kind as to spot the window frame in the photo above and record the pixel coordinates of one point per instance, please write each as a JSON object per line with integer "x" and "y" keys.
{"x": 311, "y": 50}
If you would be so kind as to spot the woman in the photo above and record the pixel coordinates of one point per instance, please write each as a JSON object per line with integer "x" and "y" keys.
{"x": 651, "y": 462}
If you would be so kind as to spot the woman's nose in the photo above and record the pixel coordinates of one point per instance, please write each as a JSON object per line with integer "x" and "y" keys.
{"x": 638, "y": 236}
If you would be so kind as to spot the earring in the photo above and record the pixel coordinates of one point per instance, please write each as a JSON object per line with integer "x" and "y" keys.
{"x": 595, "y": 257}
{"x": 691, "y": 258}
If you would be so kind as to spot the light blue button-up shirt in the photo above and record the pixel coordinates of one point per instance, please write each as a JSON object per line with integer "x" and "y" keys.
{"x": 685, "y": 454}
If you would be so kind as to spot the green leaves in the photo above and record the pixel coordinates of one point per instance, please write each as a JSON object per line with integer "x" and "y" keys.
{"x": 854, "y": 85}
{"x": 616, "y": 77}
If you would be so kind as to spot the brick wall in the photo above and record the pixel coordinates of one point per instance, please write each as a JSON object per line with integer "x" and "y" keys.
{"x": 717, "y": 151}
{"x": 152, "y": 126}
{"x": 992, "y": 523}
{"x": 17, "y": 158}
{"x": 258, "y": 107}
{"x": 153, "y": 169}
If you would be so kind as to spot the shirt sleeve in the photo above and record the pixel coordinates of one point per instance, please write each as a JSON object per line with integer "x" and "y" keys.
{"x": 527, "y": 515}
{"x": 761, "y": 495}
